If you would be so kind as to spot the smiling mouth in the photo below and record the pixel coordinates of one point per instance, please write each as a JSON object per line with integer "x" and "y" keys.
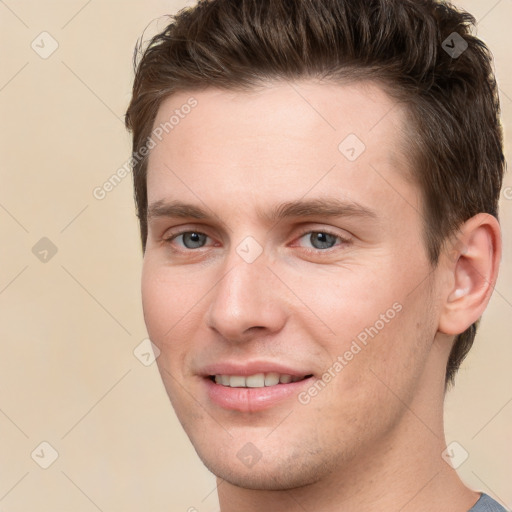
{"x": 258, "y": 380}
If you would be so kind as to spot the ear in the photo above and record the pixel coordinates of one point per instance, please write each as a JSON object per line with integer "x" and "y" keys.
{"x": 471, "y": 266}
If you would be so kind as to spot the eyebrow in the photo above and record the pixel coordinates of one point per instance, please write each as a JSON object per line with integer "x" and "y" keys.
{"x": 321, "y": 207}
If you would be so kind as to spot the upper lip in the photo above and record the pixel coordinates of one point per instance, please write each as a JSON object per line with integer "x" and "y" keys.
{"x": 251, "y": 368}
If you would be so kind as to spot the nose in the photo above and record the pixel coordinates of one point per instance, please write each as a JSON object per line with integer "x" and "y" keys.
{"x": 245, "y": 303}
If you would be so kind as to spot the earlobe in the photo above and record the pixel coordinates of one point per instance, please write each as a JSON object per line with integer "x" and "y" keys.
{"x": 473, "y": 273}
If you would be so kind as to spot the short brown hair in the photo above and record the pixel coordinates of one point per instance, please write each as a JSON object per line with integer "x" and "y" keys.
{"x": 407, "y": 45}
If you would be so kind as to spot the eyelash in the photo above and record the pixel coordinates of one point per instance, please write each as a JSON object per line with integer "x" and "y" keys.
{"x": 343, "y": 241}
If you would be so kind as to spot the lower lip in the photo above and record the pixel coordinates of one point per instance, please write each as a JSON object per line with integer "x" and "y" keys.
{"x": 253, "y": 399}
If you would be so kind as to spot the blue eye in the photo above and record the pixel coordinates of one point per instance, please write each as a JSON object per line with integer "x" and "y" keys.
{"x": 191, "y": 239}
{"x": 321, "y": 240}
{"x": 316, "y": 240}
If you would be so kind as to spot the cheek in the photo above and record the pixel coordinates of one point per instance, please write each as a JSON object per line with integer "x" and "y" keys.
{"x": 378, "y": 326}
{"x": 394, "y": 354}
{"x": 157, "y": 301}
{"x": 351, "y": 301}
{"x": 170, "y": 302}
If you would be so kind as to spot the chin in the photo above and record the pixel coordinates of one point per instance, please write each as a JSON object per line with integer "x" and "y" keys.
{"x": 267, "y": 474}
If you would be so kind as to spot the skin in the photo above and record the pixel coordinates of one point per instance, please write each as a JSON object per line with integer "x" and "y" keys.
{"x": 372, "y": 438}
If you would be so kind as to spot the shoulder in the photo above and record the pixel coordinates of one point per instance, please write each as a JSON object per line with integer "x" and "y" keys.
{"x": 487, "y": 504}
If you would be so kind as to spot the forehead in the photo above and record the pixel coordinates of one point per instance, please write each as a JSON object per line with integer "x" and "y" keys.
{"x": 362, "y": 108}
{"x": 279, "y": 141}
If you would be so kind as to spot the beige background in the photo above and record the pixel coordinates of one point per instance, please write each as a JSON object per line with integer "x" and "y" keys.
{"x": 69, "y": 326}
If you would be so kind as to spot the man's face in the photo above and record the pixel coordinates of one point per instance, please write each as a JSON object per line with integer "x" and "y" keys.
{"x": 258, "y": 287}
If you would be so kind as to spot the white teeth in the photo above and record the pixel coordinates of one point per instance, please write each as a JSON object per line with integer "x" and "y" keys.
{"x": 258, "y": 380}
{"x": 271, "y": 379}
{"x": 255, "y": 381}
{"x": 237, "y": 382}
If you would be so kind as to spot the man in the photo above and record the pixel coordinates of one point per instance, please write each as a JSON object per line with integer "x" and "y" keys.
{"x": 317, "y": 186}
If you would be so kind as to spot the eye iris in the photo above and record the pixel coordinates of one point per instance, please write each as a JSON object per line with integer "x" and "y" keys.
{"x": 195, "y": 239}
{"x": 322, "y": 240}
